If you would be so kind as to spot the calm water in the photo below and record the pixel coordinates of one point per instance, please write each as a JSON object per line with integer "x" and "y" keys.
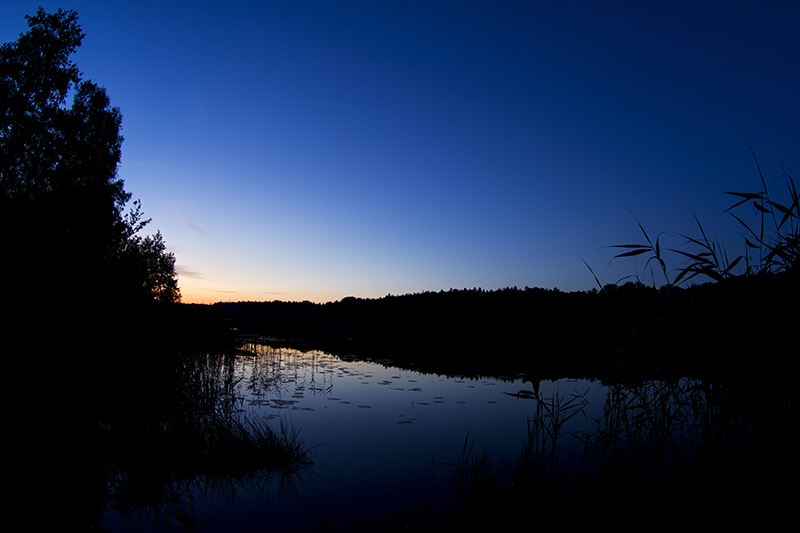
{"x": 381, "y": 436}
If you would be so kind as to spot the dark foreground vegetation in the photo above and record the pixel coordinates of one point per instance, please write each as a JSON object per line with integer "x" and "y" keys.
{"x": 686, "y": 452}
{"x": 119, "y": 398}
{"x": 114, "y": 396}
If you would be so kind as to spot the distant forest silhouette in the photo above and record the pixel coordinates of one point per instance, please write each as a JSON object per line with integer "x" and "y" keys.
{"x": 119, "y": 395}
{"x": 736, "y": 325}
{"x": 630, "y": 330}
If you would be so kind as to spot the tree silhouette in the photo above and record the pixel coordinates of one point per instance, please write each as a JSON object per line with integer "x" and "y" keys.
{"x": 62, "y": 206}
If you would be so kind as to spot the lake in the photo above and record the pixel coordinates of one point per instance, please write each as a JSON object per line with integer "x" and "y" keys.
{"x": 386, "y": 443}
{"x": 381, "y": 437}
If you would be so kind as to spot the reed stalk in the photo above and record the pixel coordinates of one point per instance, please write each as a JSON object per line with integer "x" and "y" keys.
{"x": 775, "y": 238}
{"x": 656, "y": 444}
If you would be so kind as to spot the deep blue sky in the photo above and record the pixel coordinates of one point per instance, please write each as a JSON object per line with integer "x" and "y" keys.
{"x": 314, "y": 150}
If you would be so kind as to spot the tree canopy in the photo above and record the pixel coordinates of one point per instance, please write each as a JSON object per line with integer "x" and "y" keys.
{"x": 63, "y": 213}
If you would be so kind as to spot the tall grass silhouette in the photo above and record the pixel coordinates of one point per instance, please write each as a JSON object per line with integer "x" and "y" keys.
{"x": 656, "y": 445}
{"x": 771, "y": 238}
{"x": 162, "y": 467}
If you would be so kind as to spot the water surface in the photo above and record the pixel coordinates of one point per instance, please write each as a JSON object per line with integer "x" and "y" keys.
{"x": 381, "y": 437}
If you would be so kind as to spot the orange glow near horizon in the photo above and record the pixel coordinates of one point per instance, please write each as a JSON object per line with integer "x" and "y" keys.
{"x": 198, "y": 295}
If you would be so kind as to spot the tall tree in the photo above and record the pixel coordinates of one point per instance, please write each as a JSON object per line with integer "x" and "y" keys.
{"x": 62, "y": 202}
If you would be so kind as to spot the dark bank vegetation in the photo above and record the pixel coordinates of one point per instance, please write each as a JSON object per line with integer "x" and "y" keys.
{"x": 111, "y": 401}
{"x": 623, "y": 330}
{"x": 63, "y": 207}
{"x": 687, "y": 451}
{"x": 123, "y": 399}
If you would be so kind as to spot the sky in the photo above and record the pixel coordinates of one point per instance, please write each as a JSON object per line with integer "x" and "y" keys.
{"x": 313, "y": 150}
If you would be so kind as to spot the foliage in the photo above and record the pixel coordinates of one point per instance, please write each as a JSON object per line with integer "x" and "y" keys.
{"x": 145, "y": 260}
{"x": 163, "y": 466}
{"x": 639, "y": 249}
{"x": 62, "y": 203}
{"x": 656, "y": 445}
{"x": 772, "y": 246}
{"x": 776, "y": 238}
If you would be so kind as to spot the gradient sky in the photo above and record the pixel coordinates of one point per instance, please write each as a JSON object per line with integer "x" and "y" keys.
{"x": 318, "y": 149}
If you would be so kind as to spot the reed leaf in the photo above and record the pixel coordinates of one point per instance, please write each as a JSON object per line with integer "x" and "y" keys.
{"x": 735, "y": 262}
{"x": 593, "y": 274}
{"x": 778, "y": 241}
{"x": 762, "y": 208}
{"x": 639, "y": 249}
{"x": 632, "y": 253}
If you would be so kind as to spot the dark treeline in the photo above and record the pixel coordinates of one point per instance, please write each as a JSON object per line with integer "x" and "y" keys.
{"x": 75, "y": 258}
{"x": 114, "y": 396}
{"x": 629, "y": 329}
{"x": 85, "y": 289}
{"x": 113, "y": 402}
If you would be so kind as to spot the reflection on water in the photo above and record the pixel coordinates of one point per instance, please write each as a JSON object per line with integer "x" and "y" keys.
{"x": 386, "y": 439}
{"x": 377, "y": 431}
